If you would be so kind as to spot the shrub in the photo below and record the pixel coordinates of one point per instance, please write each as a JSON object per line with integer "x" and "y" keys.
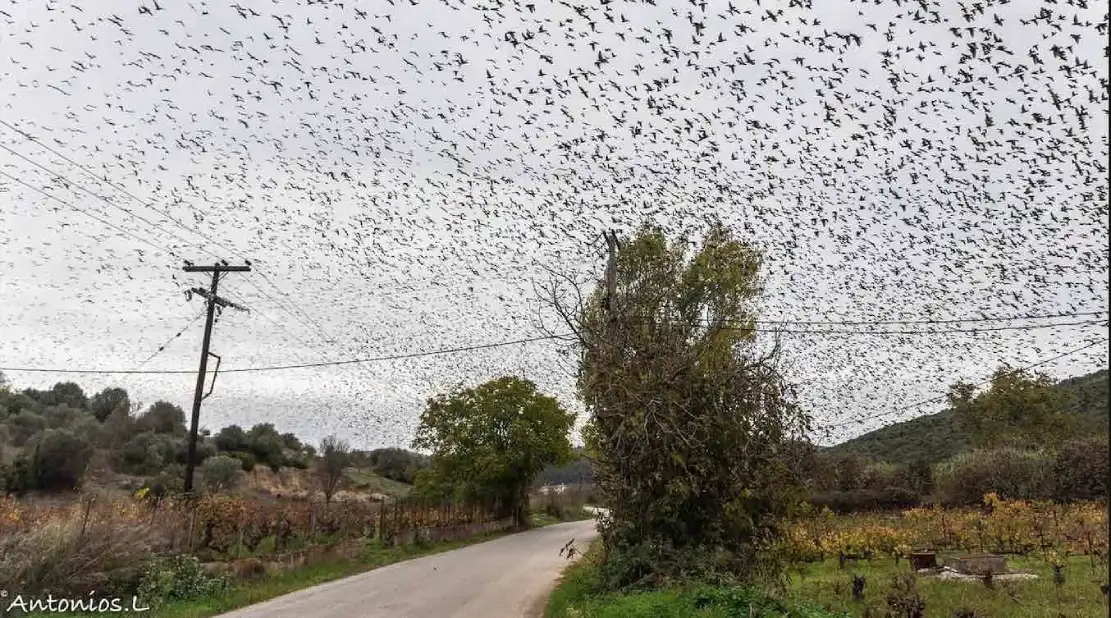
{"x": 18, "y": 476}
{"x": 23, "y": 425}
{"x": 220, "y": 473}
{"x": 1012, "y": 474}
{"x": 1080, "y": 469}
{"x": 163, "y": 484}
{"x": 60, "y": 458}
{"x": 246, "y": 460}
{"x": 178, "y": 577}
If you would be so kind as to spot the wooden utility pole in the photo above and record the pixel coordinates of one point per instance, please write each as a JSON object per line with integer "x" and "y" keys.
{"x": 212, "y": 300}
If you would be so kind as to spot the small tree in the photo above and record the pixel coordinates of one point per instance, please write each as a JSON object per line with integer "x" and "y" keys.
{"x": 59, "y": 459}
{"x": 329, "y": 468}
{"x": 107, "y": 401}
{"x": 491, "y": 441}
{"x": 220, "y": 473}
{"x": 232, "y": 438}
{"x": 163, "y": 417}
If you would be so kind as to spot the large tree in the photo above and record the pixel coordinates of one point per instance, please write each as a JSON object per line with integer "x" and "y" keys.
{"x": 692, "y": 428}
{"x": 488, "y": 443}
{"x": 1020, "y": 408}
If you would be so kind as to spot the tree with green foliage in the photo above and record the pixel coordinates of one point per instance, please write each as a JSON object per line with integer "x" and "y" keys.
{"x": 107, "y": 401}
{"x": 232, "y": 438}
{"x": 25, "y": 424}
{"x": 691, "y": 421}
{"x": 489, "y": 442}
{"x": 220, "y": 473}
{"x": 267, "y": 445}
{"x": 163, "y": 417}
{"x": 1019, "y": 409}
{"x": 397, "y": 464}
{"x": 59, "y": 459}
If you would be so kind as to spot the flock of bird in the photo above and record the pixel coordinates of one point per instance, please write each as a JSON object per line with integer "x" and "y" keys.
{"x": 401, "y": 173}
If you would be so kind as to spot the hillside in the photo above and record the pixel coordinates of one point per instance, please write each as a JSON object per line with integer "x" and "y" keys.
{"x": 936, "y": 437}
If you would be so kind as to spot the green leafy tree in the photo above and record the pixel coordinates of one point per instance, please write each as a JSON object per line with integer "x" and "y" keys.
{"x": 220, "y": 473}
{"x": 233, "y": 438}
{"x": 691, "y": 422}
{"x": 60, "y": 458}
{"x": 163, "y": 417}
{"x": 1019, "y": 409}
{"x": 489, "y": 442}
{"x": 397, "y": 463}
{"x": 267, "y": 445}
{"x": 24, "y": 425}
{"x": 107, "y": 401}
{"x": 334, "y": 458}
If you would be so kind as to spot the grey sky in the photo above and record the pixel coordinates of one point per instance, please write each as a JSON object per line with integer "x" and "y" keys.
{"x": 403, "y": 201}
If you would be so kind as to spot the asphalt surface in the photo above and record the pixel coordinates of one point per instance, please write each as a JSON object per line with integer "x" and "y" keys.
{"x": 508, "y": 577}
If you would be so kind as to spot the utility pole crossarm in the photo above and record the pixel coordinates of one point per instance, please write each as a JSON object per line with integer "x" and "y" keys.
{"x": 212, "y": 301}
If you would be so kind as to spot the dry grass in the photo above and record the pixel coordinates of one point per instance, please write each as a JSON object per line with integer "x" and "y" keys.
{"x": 73, "y": 549}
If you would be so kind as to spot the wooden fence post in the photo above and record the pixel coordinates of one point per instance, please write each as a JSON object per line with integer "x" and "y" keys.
{"x": 192, "y": 525}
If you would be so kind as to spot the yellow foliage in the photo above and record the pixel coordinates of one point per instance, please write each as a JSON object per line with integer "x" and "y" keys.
{"x": 1008, "y": 526}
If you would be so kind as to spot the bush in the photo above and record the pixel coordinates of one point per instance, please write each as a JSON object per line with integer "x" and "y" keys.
{"x": 220, "y": 473}
{"x": 60, "y": 458}
{"x": 1012, "y": 474}
{"x": 1080, "y": 469}
{"x": 18, "y": 476}
{"x": 23, "y": 425}
{"x": 246, "y": 460}
{"x": 164, "y": 484}
{"x": 179, "y": 577}
{"x": 862, "y": 500}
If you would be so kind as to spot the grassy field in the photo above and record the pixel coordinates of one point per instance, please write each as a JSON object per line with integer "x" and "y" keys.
{"x": 825, "y": 584}
{"x": 824, "y": 590}
{"x": 575, "y": 597}
{"x": 365, "y": 480}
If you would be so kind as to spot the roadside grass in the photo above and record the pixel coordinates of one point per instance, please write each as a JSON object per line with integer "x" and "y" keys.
{"x": 576, "y": 596}
{"x": 828, "y": 586}
{"x": 242, "y": 594}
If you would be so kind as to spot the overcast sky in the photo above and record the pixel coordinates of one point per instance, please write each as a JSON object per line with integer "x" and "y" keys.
{"x": 401, "y": 174}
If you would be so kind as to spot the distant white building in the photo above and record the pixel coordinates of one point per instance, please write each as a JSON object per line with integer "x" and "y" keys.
{"x": 556, "y": 489}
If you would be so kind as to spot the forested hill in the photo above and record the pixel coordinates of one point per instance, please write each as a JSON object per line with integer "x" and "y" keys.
{"x": 936, "y": 437}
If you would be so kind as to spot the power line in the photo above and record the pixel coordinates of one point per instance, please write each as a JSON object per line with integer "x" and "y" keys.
{"x": 117, "y": 187}
{"x": 171, "y": 339}
{"x": 70, "y": 183}
{"x": 303, "y": 365}
{"x": 78, "y": 209}
{"x": 981, "y": 383}
{"x": 356, "y": 361}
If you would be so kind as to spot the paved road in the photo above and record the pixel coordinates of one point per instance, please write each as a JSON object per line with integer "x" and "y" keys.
{"x": 509, "y": 577}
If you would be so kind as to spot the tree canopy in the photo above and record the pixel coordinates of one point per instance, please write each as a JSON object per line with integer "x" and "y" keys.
{"x": 489, "y": 442}
{"x": 1018, "y": 408}
{"x": 690, "y": 419}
